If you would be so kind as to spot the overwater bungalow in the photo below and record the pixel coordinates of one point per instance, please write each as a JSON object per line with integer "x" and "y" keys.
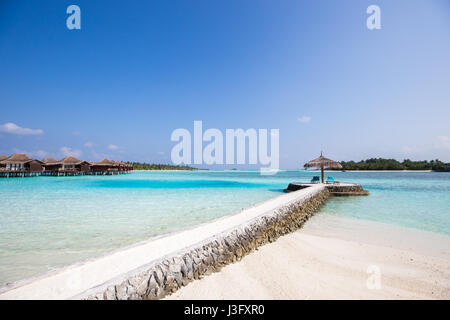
{"x": 71, "y": 166}
{"x": 105, "y": 166}
{"x": 124, "y": 167}
{"x": 51, "y": 165}
{"x": 20, "y": 165}
{"x": 2, "y": 165}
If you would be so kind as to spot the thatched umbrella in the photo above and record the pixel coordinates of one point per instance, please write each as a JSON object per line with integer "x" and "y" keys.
{"x": 323, "y": 162}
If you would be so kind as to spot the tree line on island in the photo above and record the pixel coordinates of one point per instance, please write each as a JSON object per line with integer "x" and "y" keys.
{"x": 369, "y": 164}
{"x": 154, "y": 166}
{"x": 392, "y": 164}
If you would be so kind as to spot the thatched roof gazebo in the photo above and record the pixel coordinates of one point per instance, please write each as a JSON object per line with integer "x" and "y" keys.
{"x": 322, "y": 162}
{"x": 3, "y": 157}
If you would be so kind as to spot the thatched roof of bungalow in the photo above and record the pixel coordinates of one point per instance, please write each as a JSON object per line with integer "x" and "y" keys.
{"x": 3, "y": 157}
{"x": 18, "y": 158}
{"x": 127, "y": 165}
{"x": 104, "y": 162}
{"x": 70, "y": 160}
{"x": 50, "y": 160}
{"x": 123, "y": 164}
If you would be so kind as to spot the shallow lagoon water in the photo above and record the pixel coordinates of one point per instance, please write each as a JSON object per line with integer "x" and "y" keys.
{"x": 51, "y": 222}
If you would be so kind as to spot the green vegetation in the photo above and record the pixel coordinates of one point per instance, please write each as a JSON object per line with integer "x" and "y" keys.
{"x": 153, "y": 166}
{"x": 392, "y": 164}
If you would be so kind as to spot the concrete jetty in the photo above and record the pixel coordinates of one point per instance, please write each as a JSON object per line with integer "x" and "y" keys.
{"x": 336, "y": 189}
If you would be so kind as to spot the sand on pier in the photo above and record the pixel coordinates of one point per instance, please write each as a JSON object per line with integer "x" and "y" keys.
{"x": 336, "y": 258}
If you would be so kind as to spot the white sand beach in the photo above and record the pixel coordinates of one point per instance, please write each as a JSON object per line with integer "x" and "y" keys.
{"x": 336, "y": 258}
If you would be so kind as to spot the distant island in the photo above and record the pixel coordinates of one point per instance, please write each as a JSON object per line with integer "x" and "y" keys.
{"x": 369, "y": 164}
{"x": 154, "y": 166}
{"x": 392, "y": 164}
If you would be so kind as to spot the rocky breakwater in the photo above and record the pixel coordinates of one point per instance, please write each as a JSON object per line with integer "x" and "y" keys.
{"x": 347, "y": 190}
{"x": 163, "y": 277}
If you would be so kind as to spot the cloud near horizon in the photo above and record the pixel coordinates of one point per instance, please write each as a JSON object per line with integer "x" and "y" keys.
{"x": 443, "y": 142}
{"x": 66, "y": 151}
{"x": 440, "y": 148}
{"x": 304, "y": 119}
{"x": 113, "y": 147}
{"x": 13, "y": 128}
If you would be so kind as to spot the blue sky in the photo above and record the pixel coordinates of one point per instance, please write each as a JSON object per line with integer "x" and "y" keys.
{"x": 137, "y": 70}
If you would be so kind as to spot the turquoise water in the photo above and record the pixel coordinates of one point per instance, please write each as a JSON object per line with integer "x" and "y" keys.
{"x": 50, "y": 222}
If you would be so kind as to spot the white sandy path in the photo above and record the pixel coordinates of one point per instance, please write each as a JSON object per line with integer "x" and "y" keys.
{"x": 326, "y": 261}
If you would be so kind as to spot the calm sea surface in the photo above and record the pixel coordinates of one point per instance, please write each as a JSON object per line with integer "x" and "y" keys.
{"x": 50, "y": 222}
